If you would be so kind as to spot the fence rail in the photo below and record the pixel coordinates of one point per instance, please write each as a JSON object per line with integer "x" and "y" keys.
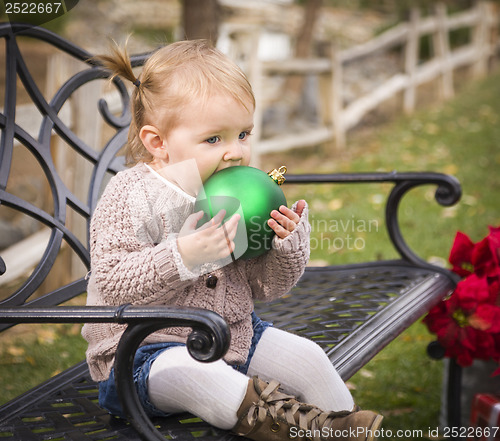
{"x": 338, "y": 117}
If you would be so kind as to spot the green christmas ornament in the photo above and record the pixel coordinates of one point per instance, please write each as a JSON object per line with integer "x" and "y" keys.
{"x": 251, "y": 193}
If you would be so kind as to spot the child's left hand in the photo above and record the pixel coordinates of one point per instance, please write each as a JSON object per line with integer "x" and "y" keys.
{"x": 285, "y": 220}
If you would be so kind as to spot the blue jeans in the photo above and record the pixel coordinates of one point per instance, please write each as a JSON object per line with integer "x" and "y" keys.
{"x": 144, "y": 358}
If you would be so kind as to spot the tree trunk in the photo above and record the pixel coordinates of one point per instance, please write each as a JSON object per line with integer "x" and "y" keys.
{"x": 200, "y": 19}
{"x": 295, "y": 83}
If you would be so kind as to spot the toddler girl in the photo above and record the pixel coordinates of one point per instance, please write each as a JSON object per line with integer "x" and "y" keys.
{"x": 192, "y": 115}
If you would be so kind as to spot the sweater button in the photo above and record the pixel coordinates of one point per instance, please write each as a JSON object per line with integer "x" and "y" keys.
{"x": 211, "y": 281}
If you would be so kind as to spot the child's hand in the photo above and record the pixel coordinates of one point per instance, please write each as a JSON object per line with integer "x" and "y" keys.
{"x": 284, "y": 221}
{"x": 209, "y": 243}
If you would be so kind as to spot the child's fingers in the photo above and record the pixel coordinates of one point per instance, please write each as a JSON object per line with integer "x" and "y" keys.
{"x": 231, "y": 227}
{"x": 221, "y": 239}
{"x": 214, "y": 222}
{"x": 217, "y": 219}
{"x": 232, "y": 223}
{"x": 290, "y": 214}
{"x": 280, "y": 231}
{"x": 191, "y": 221}
{"x": 287, "y": 218}
{"x": 300, "y": 207}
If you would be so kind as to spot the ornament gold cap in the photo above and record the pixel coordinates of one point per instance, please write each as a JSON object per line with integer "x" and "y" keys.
{"x": 277, "y": 175}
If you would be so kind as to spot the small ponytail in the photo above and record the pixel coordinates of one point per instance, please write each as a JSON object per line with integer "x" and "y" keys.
{"x": 118, "y": 62}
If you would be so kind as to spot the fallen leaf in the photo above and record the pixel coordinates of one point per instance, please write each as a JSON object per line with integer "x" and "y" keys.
{"x": 377, "y": 199}
{"x": 335, "y": 204}
{"x": 16, "y": 351}
{"x": 46, "y": 336}
{"x": 350, "y": 385}
{"x": 431, "y": 128}
{"x": 366, "y": 373}
{"x": 450, "y": 169}
{"x": 469, "y": 199}
{"x": 449, "y": 212}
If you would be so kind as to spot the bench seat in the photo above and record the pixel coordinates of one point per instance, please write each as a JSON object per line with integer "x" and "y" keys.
{"x": 351, "y": 311}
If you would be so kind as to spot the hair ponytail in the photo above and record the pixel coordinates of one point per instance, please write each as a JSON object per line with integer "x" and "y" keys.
{"x": 118, "y": 62}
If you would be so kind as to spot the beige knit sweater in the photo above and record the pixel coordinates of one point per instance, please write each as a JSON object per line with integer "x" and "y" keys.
{"x": 135, "y": 260}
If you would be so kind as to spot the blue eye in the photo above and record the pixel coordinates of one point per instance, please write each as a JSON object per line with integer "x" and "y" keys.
{"x": 212, "y": 139}
{"x": 243, "y": 135}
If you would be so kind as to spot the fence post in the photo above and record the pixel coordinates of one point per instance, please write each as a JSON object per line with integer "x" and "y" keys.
{"x": 481, "y": 41}
{"x": 75, "y": 171}
{"x": 88, "y": 126}
{"x": 336, "y": 98}
{"x": 493, "y": 12}
{"x": 411, "y": 61}
{"x": 255, "y": 75}
{"x": 57, "y": 73}
{"x": 441, "y": 43}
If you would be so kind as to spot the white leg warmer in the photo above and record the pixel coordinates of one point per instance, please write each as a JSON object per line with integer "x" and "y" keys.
{"x": 211, "y": 391}
{"x": 302, "y": 368}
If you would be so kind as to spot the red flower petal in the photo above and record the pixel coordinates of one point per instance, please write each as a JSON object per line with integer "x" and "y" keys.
{"x": 467, "y": 324}
{"x": 495, "y": 236}
{"x": 464, "y": 359}
{"x": 494, "y": 289}
{"x": 479, "y": 323}
{"x": 470, "y": 292}
{"x": 495, "y": 373}
{"x": 461, "y": 254}
{"x": 486, "y": 318}
{"x": 485, "y": 258}
{"x": 485, "y": 346}
{"x": 468, "y": 338}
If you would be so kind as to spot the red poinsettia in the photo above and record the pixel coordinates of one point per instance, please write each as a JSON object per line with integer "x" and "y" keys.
{"x": 467, "y": 323}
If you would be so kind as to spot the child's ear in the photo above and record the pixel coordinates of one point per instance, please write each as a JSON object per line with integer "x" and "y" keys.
{"x": 152, "y": 139}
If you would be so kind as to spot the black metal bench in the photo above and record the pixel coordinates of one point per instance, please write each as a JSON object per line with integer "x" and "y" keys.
{"x": 352, "y": 311}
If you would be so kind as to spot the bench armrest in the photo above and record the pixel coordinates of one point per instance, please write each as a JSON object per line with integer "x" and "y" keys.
{"x": 448, "y": 193}
{"x": 208, "y": 340}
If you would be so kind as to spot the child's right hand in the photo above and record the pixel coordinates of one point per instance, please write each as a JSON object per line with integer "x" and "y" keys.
{"x": 209, "y": 243}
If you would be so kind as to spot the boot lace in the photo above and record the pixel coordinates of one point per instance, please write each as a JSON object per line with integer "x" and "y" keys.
{"x": 279, "y": 405}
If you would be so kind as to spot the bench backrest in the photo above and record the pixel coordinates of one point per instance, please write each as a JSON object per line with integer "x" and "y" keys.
{"x": 78, "y": 132}
{"x": 43, "y": 129}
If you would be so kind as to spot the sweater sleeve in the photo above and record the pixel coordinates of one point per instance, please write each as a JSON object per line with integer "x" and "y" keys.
{"x": 276, "y": 272}
{"x": 133, "y": 259}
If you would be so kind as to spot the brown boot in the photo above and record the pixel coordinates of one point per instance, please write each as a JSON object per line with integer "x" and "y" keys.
{"x": 267, "y": 414}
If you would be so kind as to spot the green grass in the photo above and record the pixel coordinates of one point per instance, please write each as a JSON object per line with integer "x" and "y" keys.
{"x": 42, "y": 352}
{"x": 403, "y": 384}
{"x": 462, "y": 138}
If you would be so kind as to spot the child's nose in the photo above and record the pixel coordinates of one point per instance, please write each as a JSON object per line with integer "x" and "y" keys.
{"x": 234, "y": 152}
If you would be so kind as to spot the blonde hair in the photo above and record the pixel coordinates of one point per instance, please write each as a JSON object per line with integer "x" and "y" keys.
{"x": 171, "y": 78}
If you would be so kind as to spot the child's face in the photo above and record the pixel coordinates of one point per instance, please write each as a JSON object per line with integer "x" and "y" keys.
{"x": 214, "y": 132}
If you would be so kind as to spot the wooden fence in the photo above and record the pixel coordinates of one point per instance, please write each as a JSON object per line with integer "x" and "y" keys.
{"x": 80, "y": 115}
{"x": 337, "y": 117}
{"x": 482, "y": 23}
